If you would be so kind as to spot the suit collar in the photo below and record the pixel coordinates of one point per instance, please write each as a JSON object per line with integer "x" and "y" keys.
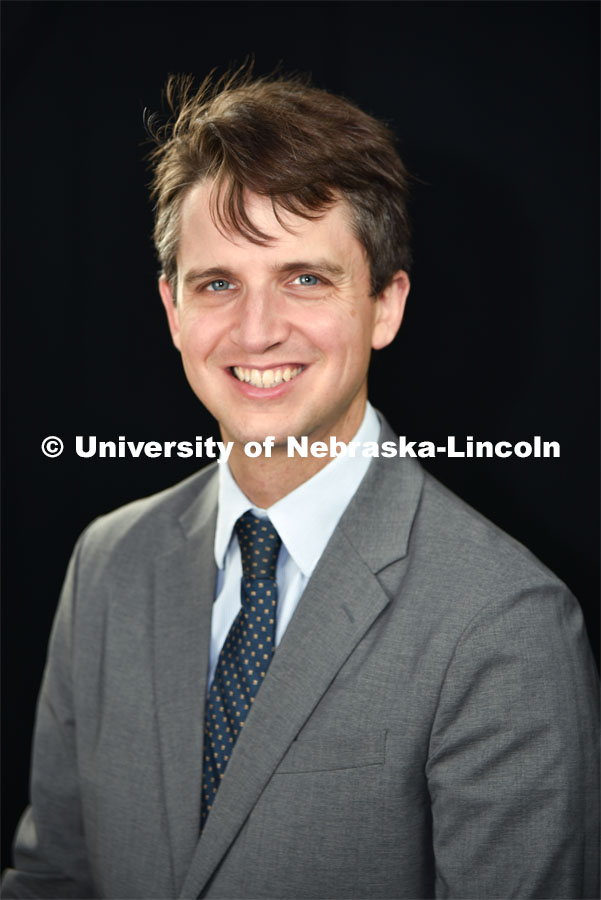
{"x": 380, "y": 533}
{"x": 379, "y": 519}
{"x": 201, "y": 512}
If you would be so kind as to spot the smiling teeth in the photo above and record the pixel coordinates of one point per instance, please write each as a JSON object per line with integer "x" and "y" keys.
{"x": 267, "y": 378}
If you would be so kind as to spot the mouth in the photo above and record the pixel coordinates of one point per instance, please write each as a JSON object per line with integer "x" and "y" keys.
{"x": 267, "y": 378}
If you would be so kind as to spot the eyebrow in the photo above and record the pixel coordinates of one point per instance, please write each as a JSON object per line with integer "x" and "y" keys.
{"x": 318, "y": 265}
{"x": 214, "y": 272}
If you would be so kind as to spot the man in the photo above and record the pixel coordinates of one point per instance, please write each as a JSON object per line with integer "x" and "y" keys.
{"x": 298, "y": 676}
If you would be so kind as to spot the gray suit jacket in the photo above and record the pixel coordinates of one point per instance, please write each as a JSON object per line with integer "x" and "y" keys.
{"x": 427, "y": 726}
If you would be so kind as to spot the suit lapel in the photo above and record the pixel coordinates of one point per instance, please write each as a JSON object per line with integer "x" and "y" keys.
{"x": 184, "y": 594}
{"x": 340, "y": 603}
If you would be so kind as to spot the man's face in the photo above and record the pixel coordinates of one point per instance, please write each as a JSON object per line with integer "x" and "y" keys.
{"x": 276, "y": 339}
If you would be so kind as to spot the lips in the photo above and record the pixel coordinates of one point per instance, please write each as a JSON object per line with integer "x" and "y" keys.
{"x": 266, "y": 378}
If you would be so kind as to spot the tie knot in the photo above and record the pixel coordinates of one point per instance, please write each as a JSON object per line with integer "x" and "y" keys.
{"x": 259, "y": 546}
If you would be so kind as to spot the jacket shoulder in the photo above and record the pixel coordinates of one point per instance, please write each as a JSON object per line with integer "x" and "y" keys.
{"x": 472, "y": 550}
{"x": 153, "y": 521}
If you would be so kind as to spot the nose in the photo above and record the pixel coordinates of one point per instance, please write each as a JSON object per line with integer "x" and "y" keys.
{"x": 260, "y": 322}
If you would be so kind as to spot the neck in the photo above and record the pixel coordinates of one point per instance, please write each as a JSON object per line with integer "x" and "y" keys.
{"x": 265, "y": 480}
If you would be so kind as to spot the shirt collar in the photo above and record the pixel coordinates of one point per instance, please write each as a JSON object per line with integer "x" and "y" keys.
{"x": 306, "y": 517}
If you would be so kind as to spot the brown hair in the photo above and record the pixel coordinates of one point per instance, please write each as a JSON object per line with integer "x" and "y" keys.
{"x": 279, "y": 137}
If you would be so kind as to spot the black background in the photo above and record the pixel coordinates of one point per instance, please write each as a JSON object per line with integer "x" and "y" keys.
{"x": 495, "y": 105}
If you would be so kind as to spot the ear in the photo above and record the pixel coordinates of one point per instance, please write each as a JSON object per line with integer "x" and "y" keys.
{"x": 390, "y": 306}
{"x": 171, "y": 309}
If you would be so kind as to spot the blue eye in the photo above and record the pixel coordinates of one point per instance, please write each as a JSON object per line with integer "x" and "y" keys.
{"x": 308, "y": 280}
{"x": 220, "y": 284}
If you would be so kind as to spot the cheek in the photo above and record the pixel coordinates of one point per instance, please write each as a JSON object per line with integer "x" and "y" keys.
{"x": 190, "y": 349}
{"x": 198, "y": 340}
{"x": 344, "y": 326}
{"x": 347, "y": 348}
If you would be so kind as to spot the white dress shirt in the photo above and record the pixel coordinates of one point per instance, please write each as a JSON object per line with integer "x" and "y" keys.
{"x": 305, "y": 520}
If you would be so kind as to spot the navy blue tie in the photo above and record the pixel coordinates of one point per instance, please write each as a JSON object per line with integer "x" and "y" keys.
{"x": 246, "y": 653}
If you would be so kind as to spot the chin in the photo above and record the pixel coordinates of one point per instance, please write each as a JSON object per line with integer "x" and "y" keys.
{"x": 243, "y": 426}
{"x": 281, "y": 440}
{"x": 243, "y": 432}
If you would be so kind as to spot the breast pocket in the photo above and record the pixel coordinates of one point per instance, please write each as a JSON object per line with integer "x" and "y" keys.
{"x": 321, "y": 820}
{"x": 333, "y": 753}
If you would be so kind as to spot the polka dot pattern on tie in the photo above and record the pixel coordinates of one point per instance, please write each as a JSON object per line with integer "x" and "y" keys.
{"x": 246, "y": 653}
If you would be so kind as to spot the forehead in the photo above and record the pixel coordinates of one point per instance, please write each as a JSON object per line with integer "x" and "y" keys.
{"x": 200, "y": 235}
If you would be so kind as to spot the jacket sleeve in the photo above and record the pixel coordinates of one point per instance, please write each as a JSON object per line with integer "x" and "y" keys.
{"x": 50, "y": 855}
{"x": 513, "y": 764}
